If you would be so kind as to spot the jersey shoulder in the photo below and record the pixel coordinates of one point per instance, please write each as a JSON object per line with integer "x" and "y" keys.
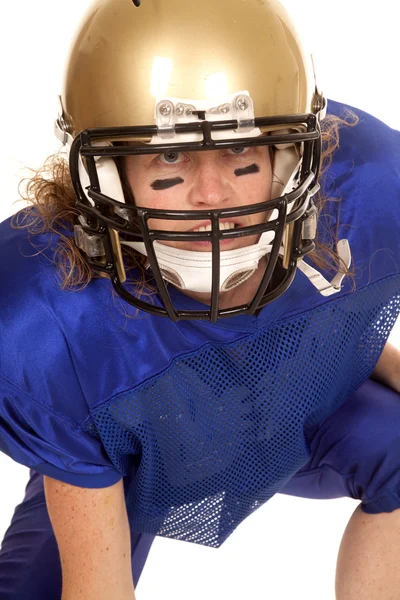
{"x": 32, "y": 339}
{"x": 87, "y": 341}
{"x": 359, "y": 202}
{"x": 43, "y": 406}
{"x": 362, "y": 191}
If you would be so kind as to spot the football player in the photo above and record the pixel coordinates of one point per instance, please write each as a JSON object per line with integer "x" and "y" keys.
{"x": 195, "y": 307}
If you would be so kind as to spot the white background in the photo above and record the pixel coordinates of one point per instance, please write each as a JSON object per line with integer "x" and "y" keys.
{"x": 288, "y": 548}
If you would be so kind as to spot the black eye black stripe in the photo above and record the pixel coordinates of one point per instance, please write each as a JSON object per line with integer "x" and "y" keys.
{"x": 165, "y": 184}
{"x": 247, "y": 170}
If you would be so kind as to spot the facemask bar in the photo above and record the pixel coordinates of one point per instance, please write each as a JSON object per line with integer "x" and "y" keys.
{"x": 101, "y": 214}
{"x": 149, "y": 236}
{"x": 215, "y": 235}
{"x": 215, "y": 313}
{"x": 87, "y": 137}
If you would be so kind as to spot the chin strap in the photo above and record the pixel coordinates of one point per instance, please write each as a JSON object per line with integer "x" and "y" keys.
{"x": 325, "y": 287}
{"x": 190, "y": 270}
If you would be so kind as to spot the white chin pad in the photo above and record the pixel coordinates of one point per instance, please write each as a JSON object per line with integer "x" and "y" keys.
{"x": 192, "y": 271}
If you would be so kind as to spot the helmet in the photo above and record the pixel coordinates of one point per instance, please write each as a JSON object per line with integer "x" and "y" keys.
{"x": 160, "y": 76}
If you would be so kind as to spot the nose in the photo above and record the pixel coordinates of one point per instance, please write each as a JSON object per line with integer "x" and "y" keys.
{"x": 210, "y": 187}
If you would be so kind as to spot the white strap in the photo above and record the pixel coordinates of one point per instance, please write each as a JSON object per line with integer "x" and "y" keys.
{"x": 191, "y": 270}
{"x": 323, "y": 286}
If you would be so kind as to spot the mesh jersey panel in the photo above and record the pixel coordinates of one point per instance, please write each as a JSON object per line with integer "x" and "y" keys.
{"x": 222, "y": 429}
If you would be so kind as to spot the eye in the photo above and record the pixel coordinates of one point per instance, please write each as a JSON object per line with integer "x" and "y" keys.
{"x": 239, "y": 150}
{"x": 171, "y": 158}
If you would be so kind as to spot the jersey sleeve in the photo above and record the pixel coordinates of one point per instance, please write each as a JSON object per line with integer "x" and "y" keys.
{"x": 39, "y": 438}
{"x": 43, "y": 408}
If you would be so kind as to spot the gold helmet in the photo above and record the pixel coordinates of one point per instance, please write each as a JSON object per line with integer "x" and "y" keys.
{"x": 166, "y": 75}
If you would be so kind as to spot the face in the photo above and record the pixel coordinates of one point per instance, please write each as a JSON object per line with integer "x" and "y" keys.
{"x": 216, "y": 179}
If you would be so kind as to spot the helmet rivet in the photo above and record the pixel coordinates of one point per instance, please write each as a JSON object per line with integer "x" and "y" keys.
{"x": 225, "y": 109}
{"x": 180, "y": 109}
{"x": 189, "y": 112}
{"x": 242, "y": 103}
{"x": 165, "y": 110}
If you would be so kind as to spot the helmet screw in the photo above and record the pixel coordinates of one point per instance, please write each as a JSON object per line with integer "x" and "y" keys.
{"x": 224, "y": 109}
{"x": 165, "y": 110}
{"x": 242, "y": 103}
{"x": 180, "y": 109}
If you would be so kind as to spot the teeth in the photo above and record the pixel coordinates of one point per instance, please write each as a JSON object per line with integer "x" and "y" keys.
{"x": 222, "y": 226}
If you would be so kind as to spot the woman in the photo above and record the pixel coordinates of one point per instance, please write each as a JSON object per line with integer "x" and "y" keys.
{"x": 233, "y": 359}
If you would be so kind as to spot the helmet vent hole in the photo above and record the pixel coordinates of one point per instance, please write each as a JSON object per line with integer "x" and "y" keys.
{"x": 236, "y": 279}
{"x": 173, "y": 277}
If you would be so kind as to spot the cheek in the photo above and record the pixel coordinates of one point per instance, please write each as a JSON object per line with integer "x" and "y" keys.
{"x": 255, "y": 188}
{"x": 161, "y": 200}
{"x": 146, "y": 197}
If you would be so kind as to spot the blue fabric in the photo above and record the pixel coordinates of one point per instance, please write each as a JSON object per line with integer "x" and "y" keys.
{"x": 355, "y": 453}
{"x": 221, "y": 430}
{"x": 30, "y": 567}
{"x": 204, "y": 421}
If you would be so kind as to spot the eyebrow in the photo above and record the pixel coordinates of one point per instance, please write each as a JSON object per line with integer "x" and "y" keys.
{"x": 247, "y": 170}
{"x": 165, "y": 184}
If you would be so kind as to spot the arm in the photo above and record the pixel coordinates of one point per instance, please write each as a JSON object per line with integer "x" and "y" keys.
{"x": 387, "y": 370}
{"x": 93, "y": 537}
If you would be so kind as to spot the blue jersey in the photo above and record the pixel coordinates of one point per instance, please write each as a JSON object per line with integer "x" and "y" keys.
{"x": 204, "y": 422}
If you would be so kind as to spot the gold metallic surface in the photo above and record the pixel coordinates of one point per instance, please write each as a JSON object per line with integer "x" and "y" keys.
{"x": 116, "y": 246}
{"x": 123, "y": 56}
{"x": 288, "y": 244}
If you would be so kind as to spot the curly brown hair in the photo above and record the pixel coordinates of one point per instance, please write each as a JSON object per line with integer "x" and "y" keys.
{"x": 50, "y": 192}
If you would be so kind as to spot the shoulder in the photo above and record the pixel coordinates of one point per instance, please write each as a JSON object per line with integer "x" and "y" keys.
{"x": 373, "y": 132}
{"x": 42, "y": 399}
{"x": 34, "y": 350}
{"x": 360, "y": 203}
{"x": 86, "y": 344}
{"x": 363, "y": 190}
{"x": 368, "y": 153}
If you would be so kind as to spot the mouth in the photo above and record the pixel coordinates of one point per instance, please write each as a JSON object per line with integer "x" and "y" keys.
{"x": 206, "y": 226}
{"x": 225, "y": 244}
{"x": 223, "y": 226}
